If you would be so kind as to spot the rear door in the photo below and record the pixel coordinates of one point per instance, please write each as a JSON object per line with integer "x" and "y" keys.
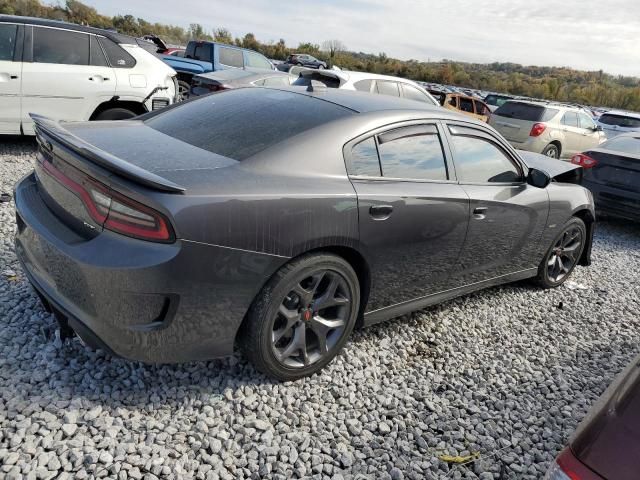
{"x": 10, "y": 77}
{"x": 573, "y": 134}
{"x": 64, "y": 76}
{"x": 507, "y": 216}
{"x": 412, "y": 214}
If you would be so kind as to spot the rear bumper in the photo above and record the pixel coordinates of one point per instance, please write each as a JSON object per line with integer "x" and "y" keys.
{"x": 615, "y": 202}
{"x": 156, "y": 303}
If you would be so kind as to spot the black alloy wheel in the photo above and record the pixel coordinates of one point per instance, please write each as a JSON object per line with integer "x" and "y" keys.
{"x": 303, "y": 316}
{"x": 564, "y": 254}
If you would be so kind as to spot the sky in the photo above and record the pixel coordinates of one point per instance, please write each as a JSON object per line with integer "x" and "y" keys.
{"x": 583, "y": 34}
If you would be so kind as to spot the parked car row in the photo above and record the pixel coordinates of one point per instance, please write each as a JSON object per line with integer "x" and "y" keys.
{"x": 72, "y": 72}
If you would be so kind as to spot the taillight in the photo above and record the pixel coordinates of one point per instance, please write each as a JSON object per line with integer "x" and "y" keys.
{"x": 537, "y": 129}
{"x": 568, "y": 467}
{"x": 585, "y": 161}
{"x": 111, "y": 209}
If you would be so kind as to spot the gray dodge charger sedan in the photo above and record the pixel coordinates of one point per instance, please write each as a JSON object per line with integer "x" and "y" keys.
{"x": 280, "y": 219}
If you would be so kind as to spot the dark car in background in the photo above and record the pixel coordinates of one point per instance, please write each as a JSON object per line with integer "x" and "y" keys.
{"x": 280, "y": 219}
{"x": 612, "y": 173}
{"x": 302, "y": 60}
{"x": 234, "y": 78}
{"x": 606, "y": 444}
{"x": 496, "y": 100}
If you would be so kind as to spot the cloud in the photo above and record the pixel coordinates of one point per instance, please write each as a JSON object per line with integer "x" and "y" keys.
{"x": 583, "y": 34}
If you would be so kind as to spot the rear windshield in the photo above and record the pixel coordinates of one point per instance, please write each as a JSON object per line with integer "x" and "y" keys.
{"x": 240, "y": 123}
{"x": 496, "y": 100}
{"x": 619, "y": 120}
{"x": 327, "y": 80}
{"x": 526, "y": 111}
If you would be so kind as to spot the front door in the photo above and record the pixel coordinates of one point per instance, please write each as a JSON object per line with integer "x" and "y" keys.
{"x": 67, "y": 76}
{"x": 412, "y": 215}
{"x": 10, "y": 77}
{"x": 507, "y": 215}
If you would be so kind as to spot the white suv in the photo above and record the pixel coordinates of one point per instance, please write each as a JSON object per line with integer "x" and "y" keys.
{"x": 71, "y": 72}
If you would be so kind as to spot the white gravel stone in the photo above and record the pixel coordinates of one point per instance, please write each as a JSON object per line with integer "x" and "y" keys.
{"x": 504, "y": 370}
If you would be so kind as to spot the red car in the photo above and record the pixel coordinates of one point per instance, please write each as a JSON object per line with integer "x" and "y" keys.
{"x": 606, "y": 445}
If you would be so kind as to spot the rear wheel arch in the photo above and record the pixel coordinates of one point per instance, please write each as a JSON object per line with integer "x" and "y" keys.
{"x": 352, "y": 256}
{"x": 135, "y": 107}
{"x": 589, "y": 220}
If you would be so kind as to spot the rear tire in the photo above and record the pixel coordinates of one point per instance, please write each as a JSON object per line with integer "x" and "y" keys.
{"x": 302, "y": 317}
{"x": 184, "y": 90}
{"x": 563, "y": 254}
{"x": 115, "y": 114}
{"x": 551, "y": 151}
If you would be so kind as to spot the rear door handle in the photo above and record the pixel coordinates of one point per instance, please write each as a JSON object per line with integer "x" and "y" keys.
{"x": 479, "y": 213}
{"x": 380, "y": 212}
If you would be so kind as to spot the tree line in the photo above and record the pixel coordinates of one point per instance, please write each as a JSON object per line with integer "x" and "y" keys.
{"x": 595, "y": 88}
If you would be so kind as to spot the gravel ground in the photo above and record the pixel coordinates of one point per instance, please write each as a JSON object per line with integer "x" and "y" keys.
{"x": 507, "y": 373}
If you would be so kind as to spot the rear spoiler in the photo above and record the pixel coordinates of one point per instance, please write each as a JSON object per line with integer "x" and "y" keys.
{"x": 46, "y": 127}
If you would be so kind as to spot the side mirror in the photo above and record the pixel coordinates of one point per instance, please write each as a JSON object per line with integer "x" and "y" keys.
{"x": 538, "y": 178}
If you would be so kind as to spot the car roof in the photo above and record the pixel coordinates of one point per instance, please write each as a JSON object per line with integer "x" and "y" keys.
{"x": 43, "y": 22}
{"x": 622, "y": 113}
{"x": 364, "y": 102}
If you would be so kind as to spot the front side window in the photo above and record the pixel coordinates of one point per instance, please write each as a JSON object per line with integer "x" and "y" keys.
{"x": 585, "y": 122}
{"x": 412, "y": 152}
{"x": 388, "y": 88}
{"x": 480, "y": 161}
{"x": 117, "y": 56}
{"x": 230, "y": 57}
{"x": 364, "y": 159}
{"x": 570, "y": 119}
{"x": 51, "y": 45}
{"x": 8, "y": 35}
{"x": 255, "y": 60}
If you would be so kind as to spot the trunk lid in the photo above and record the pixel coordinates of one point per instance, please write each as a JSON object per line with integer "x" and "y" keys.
{"x": 616, "y": 169}
{"x": 559, "y": 170}
{"x": 515, "y": 119}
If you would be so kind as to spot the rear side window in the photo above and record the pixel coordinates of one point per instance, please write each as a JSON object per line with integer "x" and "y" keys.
{"x": 570, "y": 119}
{"x": 479, "y": 161}
{"x": 240, "y": 123}
{"x": 466, "y": 104}
{"x": 255, "y": 60}
{"x": 630, "y": 145}
{"x": 412, "y": 93}
{"x": 7, "y": 41}
{"x": 202, "y": 52}
{"x": 117, "y": 56}
{"x": 230, "y": 57}
{"x": 526, "y": 111}
{"x": 619, "y": 121}
{"x": 96, "y": 56}
{"x": 363, "y": 85}
{"x": 387, "y": 88}
{"x": 364, "y": 159}
{"x": 413, "y": 153}
{"x": 276, "y": 81}
{"x": 51, "y": 45}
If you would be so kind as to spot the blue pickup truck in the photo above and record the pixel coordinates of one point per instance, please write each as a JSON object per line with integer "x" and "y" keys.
{"x": 203, "y": 57}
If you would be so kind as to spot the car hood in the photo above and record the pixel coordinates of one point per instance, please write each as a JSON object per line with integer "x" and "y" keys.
{"x": 558, "y": 170}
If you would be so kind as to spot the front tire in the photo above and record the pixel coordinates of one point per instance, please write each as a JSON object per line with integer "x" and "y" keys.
{"x": 551, "y": 151}
{"x": 563, "y": 255}
{"x": 302, "y": 317}
{"x": 115, "y": 114}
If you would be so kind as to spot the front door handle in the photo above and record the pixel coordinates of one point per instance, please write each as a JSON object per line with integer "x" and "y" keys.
{"x": 479, "y": 213}
{"x": 380, "y": 212}
{"x": 13, "y": 77}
